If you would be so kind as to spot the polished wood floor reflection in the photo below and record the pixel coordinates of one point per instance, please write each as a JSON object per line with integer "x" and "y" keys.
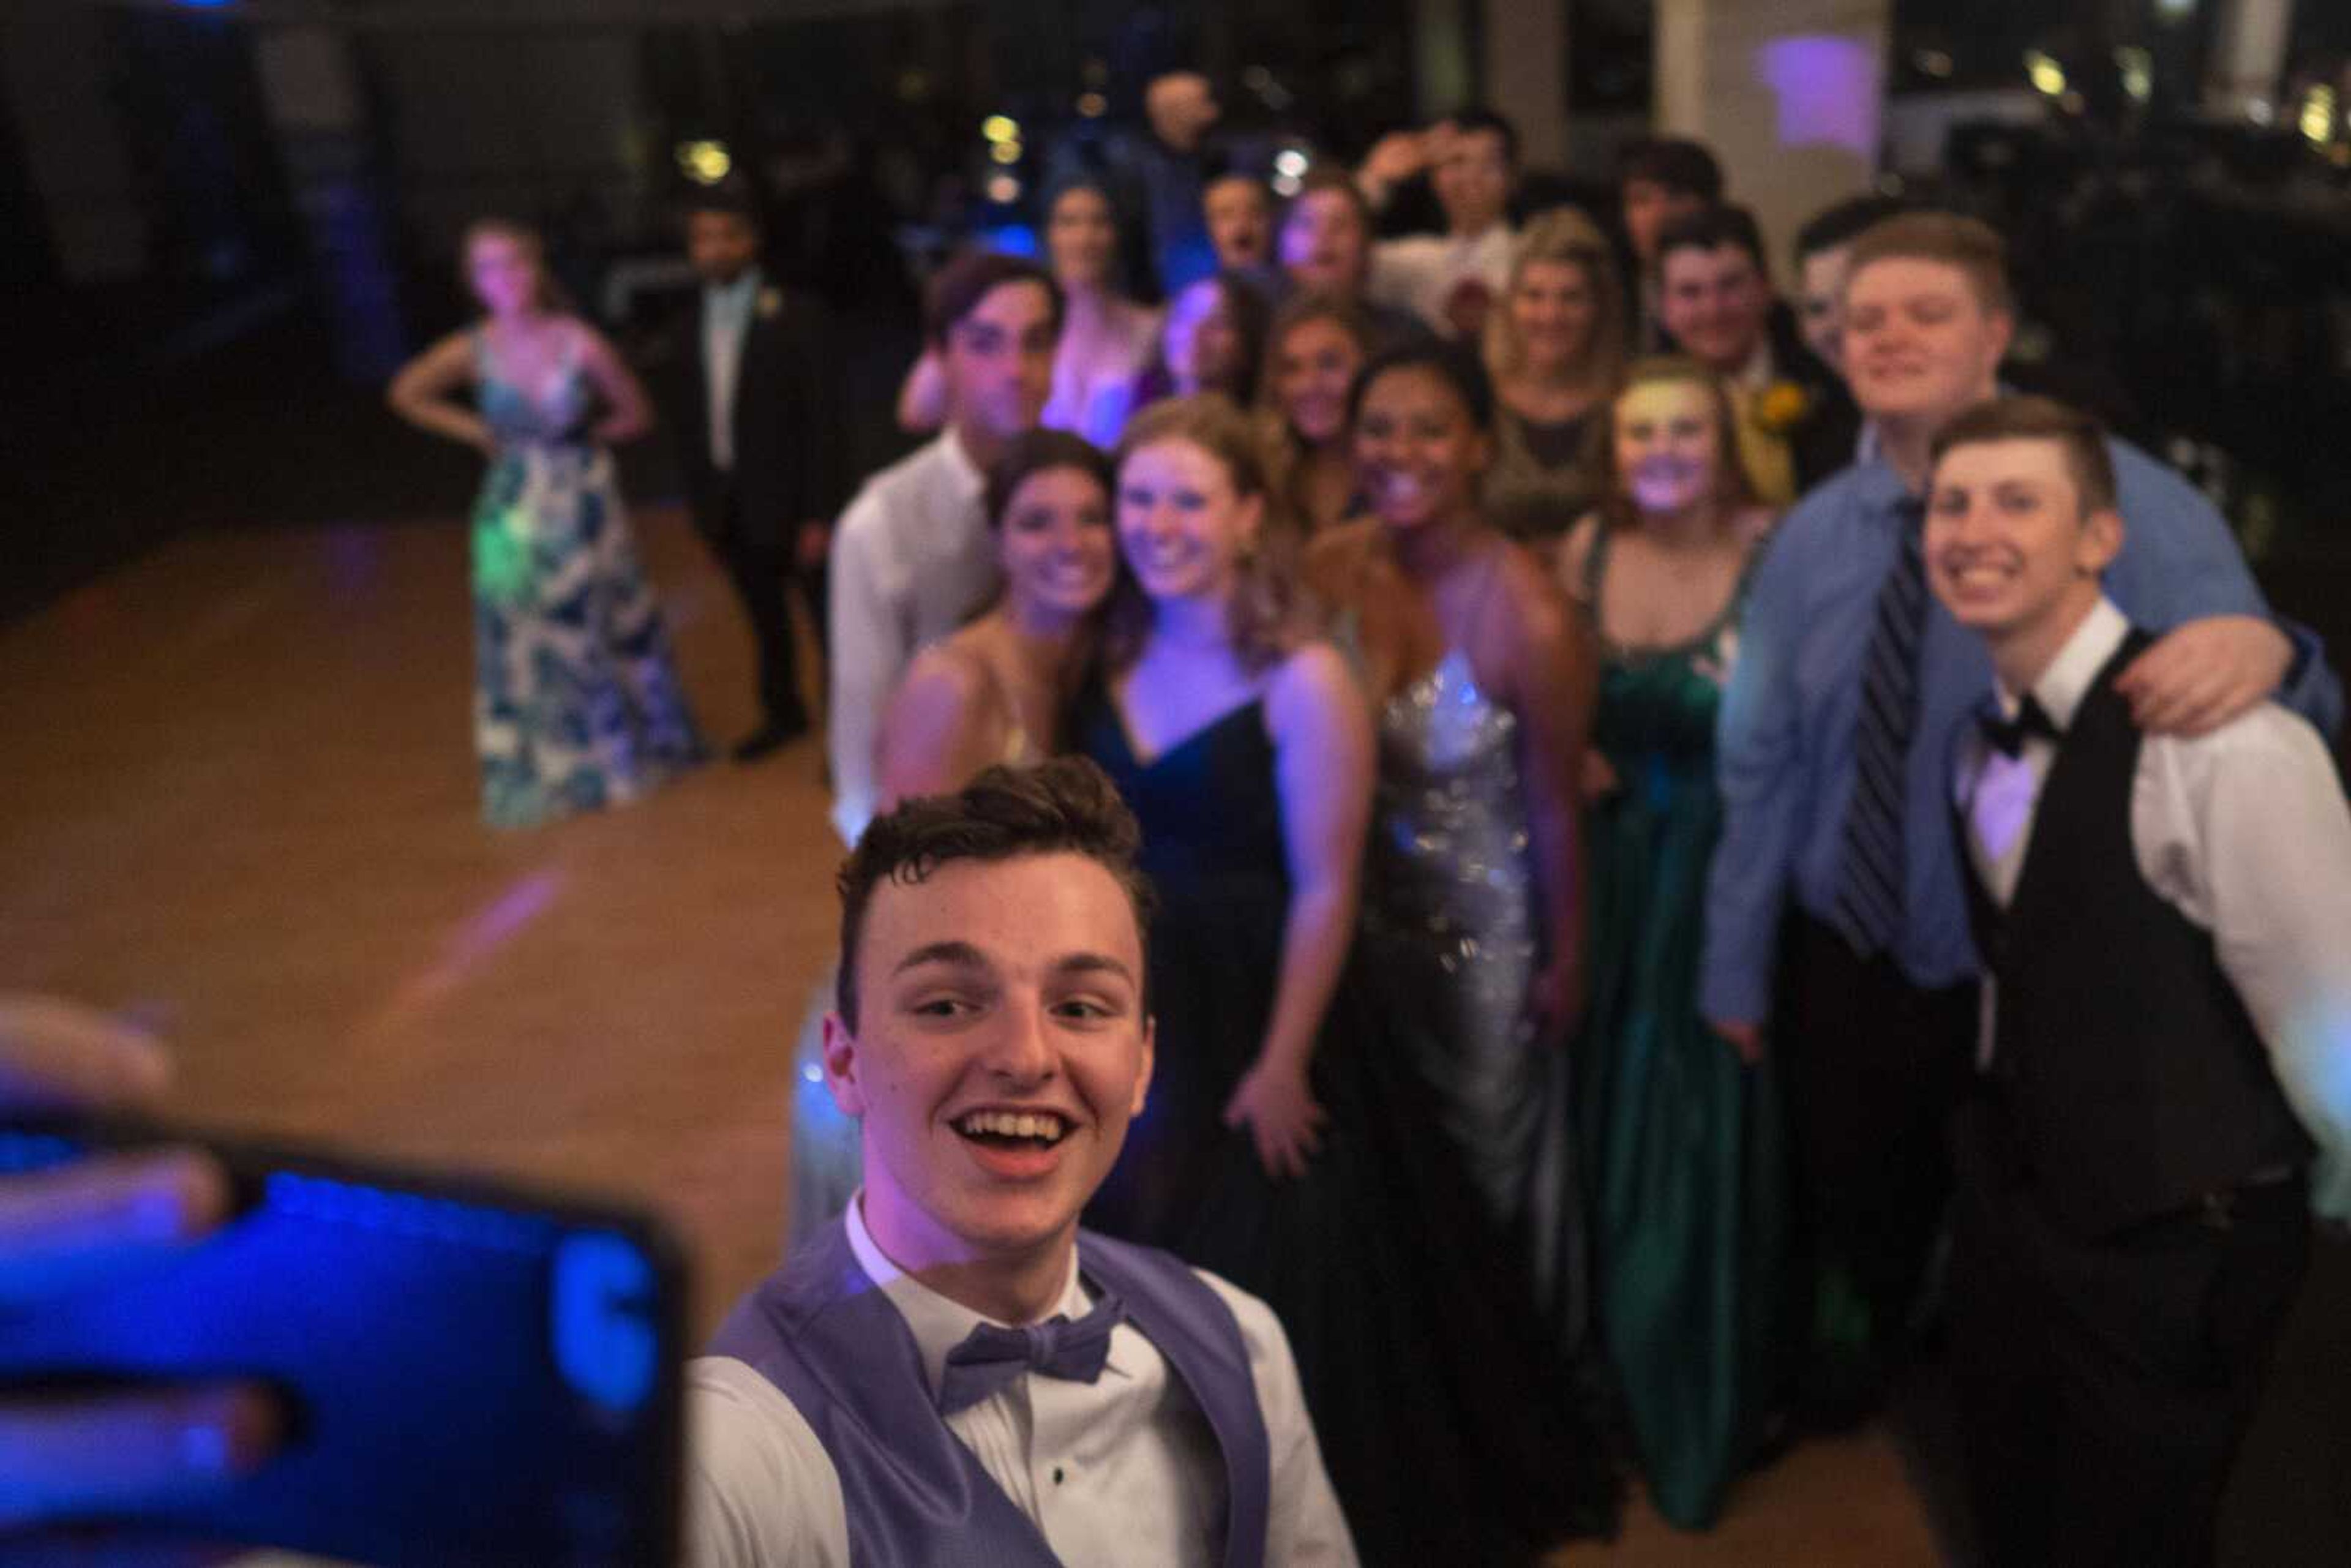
{"x": 239, "y": 804}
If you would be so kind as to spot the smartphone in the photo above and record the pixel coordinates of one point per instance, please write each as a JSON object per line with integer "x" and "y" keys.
{"x": 474, "y": 1373}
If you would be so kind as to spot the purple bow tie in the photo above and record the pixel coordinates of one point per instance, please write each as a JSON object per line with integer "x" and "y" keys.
{"x": 990, "y": 1357}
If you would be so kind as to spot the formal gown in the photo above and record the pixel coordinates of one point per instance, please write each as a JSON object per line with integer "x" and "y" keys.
{"x": 1682, "y": 1141}
{"x": 1449, "y": 1426}
{"x": 577, "y": 704}
{"x": 1452, "y": 895}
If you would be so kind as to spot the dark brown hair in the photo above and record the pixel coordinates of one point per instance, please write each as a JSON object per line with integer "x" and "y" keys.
{"x": 2083, "y": 438}
{"x": 1065, "y": 806}
{"x": 957, "y": 289}
{"x": 1711, "y": 228}
{"x": 1035, "y": 451}
{"x": 1970, "y": 244}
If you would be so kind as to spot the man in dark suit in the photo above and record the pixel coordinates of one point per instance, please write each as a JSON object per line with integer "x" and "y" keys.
{"x": 760, "y": 446}
{"x": 1797, "y": 422}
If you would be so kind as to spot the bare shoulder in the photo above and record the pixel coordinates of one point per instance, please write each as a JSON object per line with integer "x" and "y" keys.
{"x": 1309, "y": 682}
{"x": 1575, "y": 556}
{"x": 1538, "y": 609}
{"x": 1338, "y": 555}
{"x": 952, "y": 674}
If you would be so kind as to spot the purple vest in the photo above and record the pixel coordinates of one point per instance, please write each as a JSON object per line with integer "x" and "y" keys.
{"x": 823, "y": 1334}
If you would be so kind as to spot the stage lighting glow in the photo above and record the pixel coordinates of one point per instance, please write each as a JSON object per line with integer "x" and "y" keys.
{"x": 1289, "y": 161}
{"x": 2317, "y": 119}
{"x": 1004, "y": 189}
{"x": 2047, "y": 76}
{"x": 1006, "y": 151}
{"x": 704, "y": 163}
{"x": 1000, "y": 129}
{"x": 1092, "y": 105}
{"x": 2139, "y": 72}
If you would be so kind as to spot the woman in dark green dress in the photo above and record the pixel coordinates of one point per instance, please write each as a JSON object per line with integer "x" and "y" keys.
{"x": 1681, "y": 1137}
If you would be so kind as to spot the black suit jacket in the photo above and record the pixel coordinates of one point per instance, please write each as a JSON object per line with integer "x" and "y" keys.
{"x": 1823, "y": 444}
{"x": 790, "y": 462}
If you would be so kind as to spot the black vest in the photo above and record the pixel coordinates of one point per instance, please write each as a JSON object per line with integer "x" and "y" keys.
{"x": 2132, "y": 1078}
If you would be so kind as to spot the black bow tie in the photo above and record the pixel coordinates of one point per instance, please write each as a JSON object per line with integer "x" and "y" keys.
{"x": 2006, "y": 736}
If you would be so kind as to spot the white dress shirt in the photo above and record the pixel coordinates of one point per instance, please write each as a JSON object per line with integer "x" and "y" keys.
{"x": 2245, "y": 833}
{"x": 726, "y": 320}
{"x": 911, "y": 562}
{"x": 1121, "y": 1471}
{"x": 1420, "y": 272}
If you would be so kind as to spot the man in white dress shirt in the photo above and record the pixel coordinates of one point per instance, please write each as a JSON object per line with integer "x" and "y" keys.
{"x": 1449, "y": 280}
{"x": 2165, "y": 1079}
{"x": 912, "y": 559}
{"x": 955, "y": 1372}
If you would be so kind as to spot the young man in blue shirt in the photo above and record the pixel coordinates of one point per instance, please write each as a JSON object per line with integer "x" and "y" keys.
{"x": 1835, "y": 911}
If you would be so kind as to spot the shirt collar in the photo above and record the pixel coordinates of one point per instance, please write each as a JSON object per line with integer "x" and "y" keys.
{"x": 1756, "y": 373}
{"x": 734, "y": 297}
{"x": 2068, "y": 678}
{"x": 937, "y": 1324}
{"x": 968, "y": 479}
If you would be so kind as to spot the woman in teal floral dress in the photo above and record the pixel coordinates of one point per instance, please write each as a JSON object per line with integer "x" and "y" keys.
{"x": 576, "y": 701}
{"x": 1681, "y": 1137}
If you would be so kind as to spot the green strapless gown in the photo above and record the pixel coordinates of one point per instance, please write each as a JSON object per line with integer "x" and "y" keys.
{"x": 1682, "y": 1141}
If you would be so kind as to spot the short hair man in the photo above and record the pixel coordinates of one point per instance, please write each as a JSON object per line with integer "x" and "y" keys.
{"x": 2167, "y": 922}
{"x": 912, "y": 558}
{"x": 1239, "y": 210}
{"x": 761, "y": 439}
{"x": 1796, "y": 424}
{"x": 1823, "y": 247}
{"x": 1449, "y": 280}
{"x": 1849, "y": 684}
{"x": 1659, "y": 179}
{"x": 955, "y": 1371}
{"x": 1323, "y": 243}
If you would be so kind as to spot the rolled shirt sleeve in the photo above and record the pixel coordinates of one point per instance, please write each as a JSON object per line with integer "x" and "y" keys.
{"x": 870, "y": 647}
{"x": 2246, "y": 832}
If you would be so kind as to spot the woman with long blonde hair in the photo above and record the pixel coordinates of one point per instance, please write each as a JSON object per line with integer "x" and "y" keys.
{"x": 576, "y": 702}
{"x": 1555, "y": 349}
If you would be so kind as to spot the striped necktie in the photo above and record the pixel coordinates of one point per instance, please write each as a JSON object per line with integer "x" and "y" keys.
{"x": 1869, "y": 895}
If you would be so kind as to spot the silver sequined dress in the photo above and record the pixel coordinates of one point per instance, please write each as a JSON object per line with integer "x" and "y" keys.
{"x": 1452, "y": 889}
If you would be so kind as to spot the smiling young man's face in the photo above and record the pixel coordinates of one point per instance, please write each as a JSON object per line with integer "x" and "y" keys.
{"x": 1000, "y": 1050}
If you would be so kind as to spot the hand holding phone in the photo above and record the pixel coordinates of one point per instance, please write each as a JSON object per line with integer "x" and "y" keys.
{"x": 217, "y": 1340}
{"x": 94, "y": 1222}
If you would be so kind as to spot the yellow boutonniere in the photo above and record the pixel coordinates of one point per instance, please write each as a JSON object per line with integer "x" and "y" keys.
{"x": 1782, "y": 406}
{"x": 771, "y": 304}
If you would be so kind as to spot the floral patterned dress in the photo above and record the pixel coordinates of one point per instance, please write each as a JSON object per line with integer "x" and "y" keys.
{"x": 575, "y": 700}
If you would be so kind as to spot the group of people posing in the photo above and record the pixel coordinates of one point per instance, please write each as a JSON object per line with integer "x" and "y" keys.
{"x": 1571, "y": 847}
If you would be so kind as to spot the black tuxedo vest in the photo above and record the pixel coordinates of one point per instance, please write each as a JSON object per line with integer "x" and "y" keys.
{"x": 2132, "y": 1078}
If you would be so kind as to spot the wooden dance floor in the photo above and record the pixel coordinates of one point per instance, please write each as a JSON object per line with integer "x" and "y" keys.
{"x": 239, "y": 806}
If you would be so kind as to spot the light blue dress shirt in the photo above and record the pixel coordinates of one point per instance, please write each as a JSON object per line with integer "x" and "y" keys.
{"x": 1785, "y": 737}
